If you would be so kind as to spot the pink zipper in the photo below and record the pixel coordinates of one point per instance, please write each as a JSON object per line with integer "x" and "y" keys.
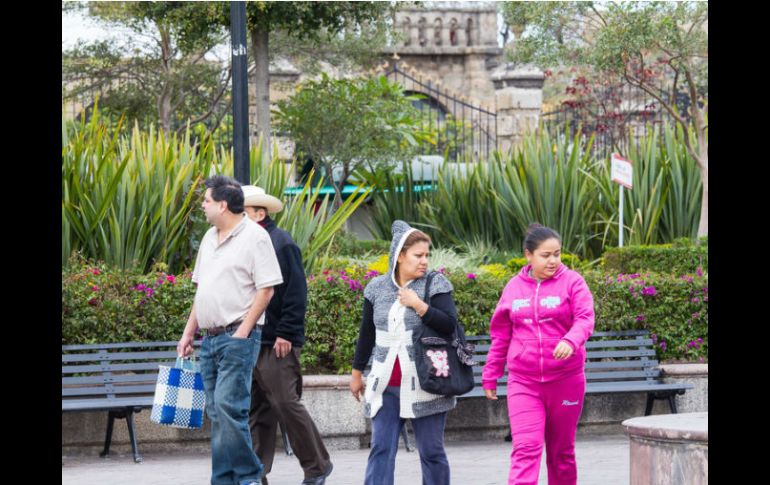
{"x": 539, "y": 335}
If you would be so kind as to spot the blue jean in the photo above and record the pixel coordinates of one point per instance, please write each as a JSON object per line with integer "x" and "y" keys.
{"x": 428, "y": 433}
{"x": 226, "y": 365}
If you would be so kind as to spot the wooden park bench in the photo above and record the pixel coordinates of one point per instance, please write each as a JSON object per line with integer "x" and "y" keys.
{"x": 616, "y": 362}
{"x": 119, "y": 378}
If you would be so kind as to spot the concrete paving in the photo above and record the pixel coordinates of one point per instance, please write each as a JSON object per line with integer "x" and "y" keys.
{"x": 602, "y": 459}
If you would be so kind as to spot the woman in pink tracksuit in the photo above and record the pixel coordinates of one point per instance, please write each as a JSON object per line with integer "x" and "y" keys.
{"x": 539, "y": 328}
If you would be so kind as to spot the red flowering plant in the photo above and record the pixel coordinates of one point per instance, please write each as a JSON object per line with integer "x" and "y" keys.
{"x": 673, "y": 307}
{"x": 104, "y": 304}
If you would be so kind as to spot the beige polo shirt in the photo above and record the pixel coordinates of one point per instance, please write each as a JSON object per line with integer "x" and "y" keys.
{"x": 229, "y": 274}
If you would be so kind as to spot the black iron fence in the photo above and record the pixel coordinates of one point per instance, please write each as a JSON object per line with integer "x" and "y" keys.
{"x": 615, "y": 114}
{"x": 463, "y": 131}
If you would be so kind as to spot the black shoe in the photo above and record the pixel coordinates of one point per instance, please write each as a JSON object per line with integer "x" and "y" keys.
{"x": 321, "y": 479}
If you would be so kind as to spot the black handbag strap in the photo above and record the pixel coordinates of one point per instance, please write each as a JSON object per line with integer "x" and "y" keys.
{"x": 426, "y": 297}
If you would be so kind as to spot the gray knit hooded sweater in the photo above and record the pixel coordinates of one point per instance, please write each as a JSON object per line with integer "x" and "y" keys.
{"x": 394, "y": 324}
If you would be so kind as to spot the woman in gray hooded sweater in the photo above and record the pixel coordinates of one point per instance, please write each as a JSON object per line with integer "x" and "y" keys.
{"x": 393, "y": 308}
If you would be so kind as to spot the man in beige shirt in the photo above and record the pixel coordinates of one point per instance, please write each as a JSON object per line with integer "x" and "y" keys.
{"x": 235, "y": 270}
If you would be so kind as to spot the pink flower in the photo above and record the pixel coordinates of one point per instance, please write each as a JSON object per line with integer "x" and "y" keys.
{"x": 95, "y": 271}
{"x": 649, "y": 290}
{"x": 640, "y": 318}
{"x": 471, "y": 276}
{"x": 170, "y": 278}
{"x": 311, "y": 277}
{"x": 700, "y": 340}
{"x": 94, "y": 288}
{"x": 699, "y": 271}
{"x": 695, "y": 300}
{"x": 329, "y": 279}
{"x": 140, "y": 287}
{"x": 663, "y": 346}
{"x": 354, "y": 285}
{"x": 93, "y": 302}
{"x": 442, "y": 270}
{"x": 325, "y": 272}
{"x": 149, "y": 292}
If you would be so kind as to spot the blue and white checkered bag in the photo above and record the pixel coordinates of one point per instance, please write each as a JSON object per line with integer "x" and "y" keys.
{"x": 179, "y": 397}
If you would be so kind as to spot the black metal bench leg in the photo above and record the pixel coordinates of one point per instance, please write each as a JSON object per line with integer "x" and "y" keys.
{"x": 672, "y": 403}
{"x": 650, "y": 402}
{"x": 134, "y": 447}
{"x": 286, "y": 444}
{"x": 405, "y": 435}
{"x": 108, "y": 436}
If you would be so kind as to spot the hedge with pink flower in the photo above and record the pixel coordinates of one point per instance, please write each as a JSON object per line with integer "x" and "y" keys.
{"x": 100, "y": 304}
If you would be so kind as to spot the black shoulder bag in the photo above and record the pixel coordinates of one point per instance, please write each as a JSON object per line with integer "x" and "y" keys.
{"x": 444, "y": 363}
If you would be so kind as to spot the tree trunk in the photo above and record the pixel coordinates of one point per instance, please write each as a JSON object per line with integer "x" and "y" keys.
{"x": 703, "y": 225}
{"x": 164, "y": 99}
{"x": 259, "y": 46}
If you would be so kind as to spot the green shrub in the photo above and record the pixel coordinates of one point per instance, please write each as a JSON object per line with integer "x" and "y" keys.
{"x": 678, "y": 258}
{"x": 673, "y": 307}
{"x": 104, "y": 304}
{"x": 100, "y": 304}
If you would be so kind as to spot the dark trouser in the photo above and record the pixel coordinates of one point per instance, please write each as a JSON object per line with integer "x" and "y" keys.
{"x": 275, "y": 392}
{"x": 428, "y": 433}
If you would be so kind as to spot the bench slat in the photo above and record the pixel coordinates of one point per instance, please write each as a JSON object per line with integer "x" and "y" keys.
{"x": 641, "y": 386}
{"x": 622, "y": 364}
{"x": 598, "y": 344}
{"x": 102, "y": 391}
{"x": 124, "y": 345}
{"x": 105, "y": 404}
{"x": 113, "y": 356}
{"x": 601, "y": 354}
{"x": 620, "y": 333}
{"x": 593, "y": 376}
{"x": 101, "y": 379}
{"x": 112, "y": 367}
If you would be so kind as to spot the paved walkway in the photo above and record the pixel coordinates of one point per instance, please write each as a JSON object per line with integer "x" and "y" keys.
{"x": 602, "y": 460}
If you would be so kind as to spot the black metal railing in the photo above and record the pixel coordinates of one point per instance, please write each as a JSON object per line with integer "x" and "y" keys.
{"x": 463, "y": 131}
{"x": 616, "y": 115}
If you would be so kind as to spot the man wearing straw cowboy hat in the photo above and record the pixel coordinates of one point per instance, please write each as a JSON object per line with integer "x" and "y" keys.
{"x": 276, "y": 387}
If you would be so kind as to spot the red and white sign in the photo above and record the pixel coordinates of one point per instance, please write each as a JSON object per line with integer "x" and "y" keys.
{"x": 622, "y": 171}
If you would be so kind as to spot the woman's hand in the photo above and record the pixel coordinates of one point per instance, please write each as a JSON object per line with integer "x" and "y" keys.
{"x": 357, "y": 384}
{"x": 491, "y": 394}
{"x": 409, "y": 298}
{"x": 563, "y": 351}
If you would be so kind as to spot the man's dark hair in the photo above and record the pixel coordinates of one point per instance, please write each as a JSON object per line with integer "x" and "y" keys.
{"x": 227, "y": 189}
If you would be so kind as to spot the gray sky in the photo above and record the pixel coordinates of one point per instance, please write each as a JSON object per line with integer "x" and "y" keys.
{"x": 74, "y": 26}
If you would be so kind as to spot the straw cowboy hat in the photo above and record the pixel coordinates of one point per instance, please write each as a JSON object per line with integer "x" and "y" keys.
{"x": 256, "y": 197}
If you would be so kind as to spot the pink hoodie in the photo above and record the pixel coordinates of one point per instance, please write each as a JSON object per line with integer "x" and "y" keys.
{"x": 530, "y": 320}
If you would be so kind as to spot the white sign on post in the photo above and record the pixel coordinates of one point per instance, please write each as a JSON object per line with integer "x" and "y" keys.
{"x": 622, "y": 173}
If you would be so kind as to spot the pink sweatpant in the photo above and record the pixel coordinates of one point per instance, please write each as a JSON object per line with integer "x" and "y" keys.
{"x": 545, "y": 412}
